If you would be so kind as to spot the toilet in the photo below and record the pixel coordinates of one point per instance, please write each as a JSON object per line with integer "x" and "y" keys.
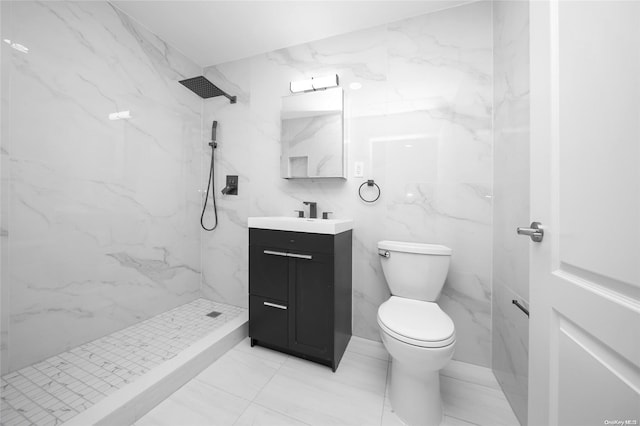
{"x": 418, "y": 335}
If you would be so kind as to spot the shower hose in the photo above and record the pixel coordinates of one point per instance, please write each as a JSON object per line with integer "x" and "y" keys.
{"x": 211, "y": 182}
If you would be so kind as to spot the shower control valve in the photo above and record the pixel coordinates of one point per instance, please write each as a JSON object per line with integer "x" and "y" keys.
{"x": 232, "y": 185}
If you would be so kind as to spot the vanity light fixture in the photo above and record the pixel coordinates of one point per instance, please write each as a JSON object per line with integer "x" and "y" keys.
{"x": 313, "y": 84}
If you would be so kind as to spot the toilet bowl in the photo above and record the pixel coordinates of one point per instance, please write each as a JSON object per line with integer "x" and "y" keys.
{"x": 418, "y": 335}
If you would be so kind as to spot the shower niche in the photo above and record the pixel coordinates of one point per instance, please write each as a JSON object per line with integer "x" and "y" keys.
{"x": 312, "y": 135}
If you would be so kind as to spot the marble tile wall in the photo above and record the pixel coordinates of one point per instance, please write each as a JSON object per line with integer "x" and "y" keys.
{"x": 511, "y": 200}
{"x": 422, "y": 126}
{"x": 99, "y": 218}
{"x": 4, "y": 235}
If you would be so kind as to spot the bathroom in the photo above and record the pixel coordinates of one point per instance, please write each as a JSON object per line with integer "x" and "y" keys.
{"x": 448, "y": 106}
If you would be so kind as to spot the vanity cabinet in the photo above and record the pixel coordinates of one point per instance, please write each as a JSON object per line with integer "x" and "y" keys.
{"x": 300, "y": 293}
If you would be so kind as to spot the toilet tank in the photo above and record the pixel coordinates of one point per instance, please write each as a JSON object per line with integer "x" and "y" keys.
{"x": 414, "y": 270}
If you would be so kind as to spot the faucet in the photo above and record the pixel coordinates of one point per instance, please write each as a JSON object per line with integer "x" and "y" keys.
{"x": 313, "y": 209}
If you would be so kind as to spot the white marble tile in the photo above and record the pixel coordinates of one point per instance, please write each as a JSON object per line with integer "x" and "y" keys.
{"x": 368, "y": 347}
{"x": 511, "y": 200}
{"x": 470, "y": 373}
{"x": 268, "y": 355}
{"x": 257, "y": 415}
{"x": 196, "y": 404}
{"x": 511, "y": 349}
{"x": 355, "y": 370}
{"x": 314, "y": 395}
{"x": 475, "y": 403}
{"x": 389, "y": 418}
{"x": 239, "y": 373}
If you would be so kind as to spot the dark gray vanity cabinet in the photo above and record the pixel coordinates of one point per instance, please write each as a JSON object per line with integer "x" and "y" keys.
{"x": 300, "y": 293}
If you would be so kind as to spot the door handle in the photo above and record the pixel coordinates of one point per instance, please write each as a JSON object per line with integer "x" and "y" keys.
{"x": 274, "y": 305}
{"x": 534, "y": 231}
{"x": 275, "y": 253}
{"x": 300, "y": 256}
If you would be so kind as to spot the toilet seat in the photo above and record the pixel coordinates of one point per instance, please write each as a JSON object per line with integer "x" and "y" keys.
{"x": 416, "y": 322}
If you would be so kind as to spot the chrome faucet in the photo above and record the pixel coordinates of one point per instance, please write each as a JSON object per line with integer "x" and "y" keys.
{"x": 313, "y": 209}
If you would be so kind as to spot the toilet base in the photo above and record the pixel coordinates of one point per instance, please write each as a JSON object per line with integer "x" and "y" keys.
{"x": 415, "y": 396}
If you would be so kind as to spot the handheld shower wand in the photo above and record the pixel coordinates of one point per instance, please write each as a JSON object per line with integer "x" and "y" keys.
{"x": 214, "y": 127}
{"x": 213, "y": 144}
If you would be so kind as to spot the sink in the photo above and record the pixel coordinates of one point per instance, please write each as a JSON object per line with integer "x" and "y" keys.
{"x": 300, "y": 224}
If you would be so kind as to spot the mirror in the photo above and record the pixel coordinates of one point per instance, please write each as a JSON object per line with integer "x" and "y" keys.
{"x": 312, "y": 135}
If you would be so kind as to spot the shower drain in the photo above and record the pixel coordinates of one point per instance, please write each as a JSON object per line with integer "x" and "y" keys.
{"x": 213, "y": 314}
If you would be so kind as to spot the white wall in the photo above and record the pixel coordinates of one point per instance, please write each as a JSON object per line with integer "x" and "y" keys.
{"x": 421, "y": 123}
{"x": 511, "y": 202}
{"x": 99, "y": 218}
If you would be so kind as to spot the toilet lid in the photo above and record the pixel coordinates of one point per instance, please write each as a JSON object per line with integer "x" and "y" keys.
{"x": 416, "y": 322}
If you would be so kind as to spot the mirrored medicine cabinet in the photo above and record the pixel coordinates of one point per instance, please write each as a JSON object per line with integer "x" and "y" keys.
{"x": 312, "y": 135}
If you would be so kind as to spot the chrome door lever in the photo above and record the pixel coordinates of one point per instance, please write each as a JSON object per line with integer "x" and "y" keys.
{"x": 535, "y": 232}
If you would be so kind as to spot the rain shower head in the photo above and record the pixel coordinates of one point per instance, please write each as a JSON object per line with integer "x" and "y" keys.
{"x": 205, "y": 89}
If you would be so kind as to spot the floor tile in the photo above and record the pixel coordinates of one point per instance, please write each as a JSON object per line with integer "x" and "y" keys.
{"x": 315, "y": 398}
{"x": 196, "y": 404}
{"x": 240, "y": 373}
{"x": 259, "y": 351}
{"x": 470, "y": 373}
{"x": 257, "y": 415}
{"x": 389, "y": 418}
{"x": 475, "y": 403}
{"x": 360, "y": 371}
{"x": 367, "y": 347}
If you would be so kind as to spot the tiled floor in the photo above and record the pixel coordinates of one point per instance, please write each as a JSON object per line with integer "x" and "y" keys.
{"x": 56, "y": 389}
{"x": 257, "y": 386}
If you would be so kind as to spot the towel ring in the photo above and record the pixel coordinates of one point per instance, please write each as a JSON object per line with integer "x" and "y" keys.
{"x": 369, "y": 182}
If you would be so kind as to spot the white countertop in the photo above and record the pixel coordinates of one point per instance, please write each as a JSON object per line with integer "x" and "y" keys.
{"x": 314, "y": 226}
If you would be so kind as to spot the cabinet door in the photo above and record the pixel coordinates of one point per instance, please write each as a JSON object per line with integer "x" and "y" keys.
{"x": 268, "y": 272}
{"x": 268, "y": 320}
{"x": 311, "y": 305}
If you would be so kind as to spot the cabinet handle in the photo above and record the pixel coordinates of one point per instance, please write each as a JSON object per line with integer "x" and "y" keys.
{"x": 274, "y": 305}
{"x": 300, "y": 256}
{"x": 275, "y": 253}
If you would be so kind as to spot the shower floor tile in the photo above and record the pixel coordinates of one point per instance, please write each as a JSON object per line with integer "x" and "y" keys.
{"x": 53, "y": 391}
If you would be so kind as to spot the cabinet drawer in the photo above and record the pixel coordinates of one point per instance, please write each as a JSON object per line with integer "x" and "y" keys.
{"x": 268, "y": 320}
{"x": 269, "y": 272}
{"x": 293, "y": 241}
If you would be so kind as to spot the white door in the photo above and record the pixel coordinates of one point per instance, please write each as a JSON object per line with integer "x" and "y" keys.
{"x": 585, "y": 190}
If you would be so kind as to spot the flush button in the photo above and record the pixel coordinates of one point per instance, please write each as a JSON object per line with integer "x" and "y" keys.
{"x": 292, "y": 241}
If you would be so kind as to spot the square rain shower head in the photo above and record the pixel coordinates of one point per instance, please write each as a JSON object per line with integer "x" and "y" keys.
{"x": 205, "y": 89}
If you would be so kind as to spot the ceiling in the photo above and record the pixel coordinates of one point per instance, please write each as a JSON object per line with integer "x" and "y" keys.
{"x": 211, "y": 32}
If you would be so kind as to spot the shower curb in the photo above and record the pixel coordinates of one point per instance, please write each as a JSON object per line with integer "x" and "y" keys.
{"x": 127, "y": 405}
